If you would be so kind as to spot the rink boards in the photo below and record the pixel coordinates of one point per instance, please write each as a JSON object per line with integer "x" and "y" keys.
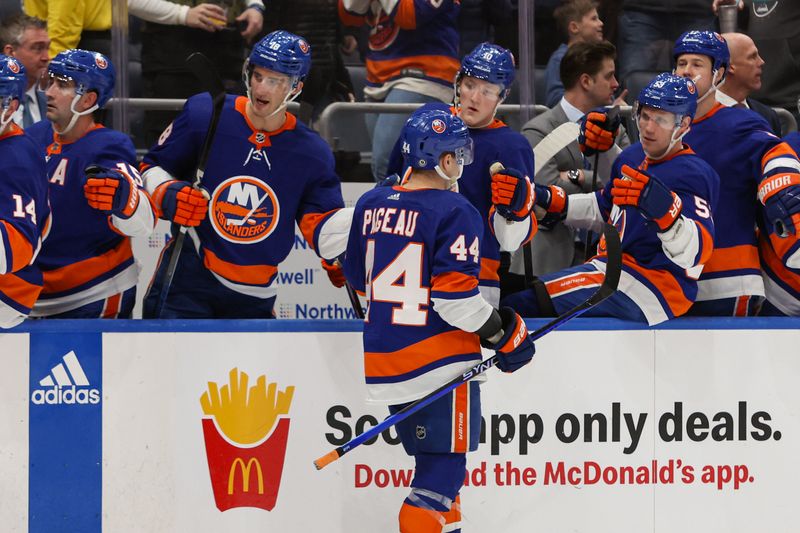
{"x": 123, "y": 427}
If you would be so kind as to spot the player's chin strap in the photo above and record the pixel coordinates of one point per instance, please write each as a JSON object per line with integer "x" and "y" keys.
{"x": 75, "y": 114}
{"x": 4, "y": 122}
{"x": 288, "y": 99}
{"x": 451, "y": 181}
{"x": 714, "y": 86}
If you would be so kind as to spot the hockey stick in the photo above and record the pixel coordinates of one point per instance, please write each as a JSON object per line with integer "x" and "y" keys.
{"x": 355, "y": 303}
{"x": 549, "y": 146}
{"x": 607, "y": 288}
{"x": 610, "y": 116}
{"x": 205, "y": 72}
{"x": 527, "y": 255}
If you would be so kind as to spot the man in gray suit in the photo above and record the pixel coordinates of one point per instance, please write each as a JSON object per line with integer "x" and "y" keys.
{"x": 25, "y": 38}
{"x": 588, "y": 73}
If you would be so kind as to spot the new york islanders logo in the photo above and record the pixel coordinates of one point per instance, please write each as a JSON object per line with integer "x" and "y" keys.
{"x": 303, "y": 46}
{"x": 244, "y": 210}
{"x": 438, "y": 125}
{"x": 13, "y": 66}
{"x": 100, "y": 61}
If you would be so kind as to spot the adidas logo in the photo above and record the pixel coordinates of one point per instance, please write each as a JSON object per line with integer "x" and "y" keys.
{"x": 66, "y": 384}
{"x": 395, "y": 196}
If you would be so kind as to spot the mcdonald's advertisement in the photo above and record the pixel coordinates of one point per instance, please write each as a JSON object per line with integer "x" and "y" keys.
{"x": 606, "y": 431}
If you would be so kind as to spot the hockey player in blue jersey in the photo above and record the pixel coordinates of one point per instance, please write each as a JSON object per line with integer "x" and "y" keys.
{"x": 24, "y": 210}
{"x": 415, "y": 250}
{"x": 504, "y": 200}
{"x": 739, "y": 145}
{"x": 779, "y": 240}
{"x": 660, "y": 199}
{"x": 95, "y": 192}
{"x": 265, "y": 172}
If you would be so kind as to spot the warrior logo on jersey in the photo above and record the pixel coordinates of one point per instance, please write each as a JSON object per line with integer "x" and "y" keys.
{"x": 13, "y": 66}
{"x": 244, "y": 210}
{"x": 100, "y": 61}
{"x": 438, "y": 126}
{"x": 764, "y": 7}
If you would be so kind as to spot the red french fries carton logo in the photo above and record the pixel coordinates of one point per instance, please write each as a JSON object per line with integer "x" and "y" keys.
{"x": 245, "y": 431}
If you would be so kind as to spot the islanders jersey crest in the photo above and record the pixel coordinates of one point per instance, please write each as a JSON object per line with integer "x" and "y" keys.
{"x": 244, "y": 210}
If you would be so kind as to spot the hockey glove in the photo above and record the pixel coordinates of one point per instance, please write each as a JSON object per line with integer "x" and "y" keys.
{"x": 598, "y": 132}
{"x": 648, "y": 195}
{"x": 554, "y": 201}
{"x": 512, "y": 194}
{"x": 780, "y": 196}
{"x": 335, "y": 273}
{"x": 178, "y": 202}
{"x": 514, "y": 349}
{"x": 111, "y": 191}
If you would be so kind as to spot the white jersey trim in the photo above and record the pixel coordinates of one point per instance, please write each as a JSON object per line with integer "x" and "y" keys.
{"x": 9, "y": 317}
{"x": 583, "y": 212}
{"x": 730, "y": 287}
{"x": 413, "y": 389}
{"x": 155, "y": 176}
{"x": 681, "y": 242}
{"x": 491, "y": 295}
{"x": 777, "y": 296}
{"x": 141, "y": 223}
{"x": 121, "y": 282}
{"x": 334, "y": 233}
{"x": 467, "y": 314}
{"x": 3, "y": 260}
{"x": 637, "y": 291}
{"x": 510, "y": 234}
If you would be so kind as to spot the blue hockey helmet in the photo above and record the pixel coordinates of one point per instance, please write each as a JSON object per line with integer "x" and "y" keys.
{"x": 284, "y": 52}
{"x": 672, "y": 93}
{"x": 429, "y": 133}
{"x": 489, "y": 62}
{"x": 12, "y": 79}
{"x": 707, "y": 43}
{"x": 91, "y": 71}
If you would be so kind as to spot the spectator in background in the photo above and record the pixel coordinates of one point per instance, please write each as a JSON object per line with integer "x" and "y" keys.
{"x": 85, "y": 24}
{"x": 25, "y": 38}
{"x": 166, "y": 47}
{"x": 587, "y": 71}
{"x": 318, "y": 22}
{"x": 647, "y": 29}
{"x": 744, "y": 78}
{"x": 775, "y": 28}
{"x": 412, "y": 58}
{"x": 579, "y": 23}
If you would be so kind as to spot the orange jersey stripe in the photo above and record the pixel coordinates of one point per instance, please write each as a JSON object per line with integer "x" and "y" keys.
{"x": 249, "y": 274}
{"x": 461, "y": 419}
{"x": 441, "y": 67}
{"x": 21, "y": 249}
{"x": 732, "y": 258}
{"x": 774, "y": 263}
{"x": 706, "y": 244}
{"x": 453, "y": 282}
{"x": 489, "y": 269}
{"x": 19, "y": 290}
{"x": 308, "y": 224}
{"x": 76, "y": 274}
{"x": 420, "y": 354}
{"x": 406, "y": 16}
{"x": 112, "y": 306}
{"x": 779, "y": 150}
{"x": 665, "y": 283}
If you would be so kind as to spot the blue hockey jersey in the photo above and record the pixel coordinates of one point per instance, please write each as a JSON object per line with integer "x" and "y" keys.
{"x": 260, "y": 183}
{"x": 87, "y": 256}
{"x": 496, "y": 142}
{"x": 24, "y": 221}
{"x": 416, "y": 254}
{"x": 739, "y": 145}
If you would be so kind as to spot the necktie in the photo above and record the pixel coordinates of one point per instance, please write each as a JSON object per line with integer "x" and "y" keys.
{"x": 27, "y": 117}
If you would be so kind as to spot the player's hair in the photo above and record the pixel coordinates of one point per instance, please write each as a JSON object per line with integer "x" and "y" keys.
{"x": 12, "y": 29}
{"x": 584, "y": 58}
{"x": 572, "y": 11}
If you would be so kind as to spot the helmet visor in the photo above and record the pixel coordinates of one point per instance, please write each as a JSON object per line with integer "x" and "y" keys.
{"x": 465, "y": 154}
{"x": 62, "y": 82}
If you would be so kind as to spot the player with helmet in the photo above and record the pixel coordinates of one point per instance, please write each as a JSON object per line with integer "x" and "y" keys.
{"x": 505, "y": 199}
{"x": 425, "y": 330}
{"x": 660, "y": 198}
{"x": 96, "y": 195}
{"x": 264, "y": 172}
{"x": 739, "y": 145}
{"x": 24, "y": 210}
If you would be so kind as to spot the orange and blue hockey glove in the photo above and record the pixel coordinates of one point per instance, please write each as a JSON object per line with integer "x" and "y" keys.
{"x": 648, "y": 195}
{"x": 514, "y": 349}
{"x": 111, "y": 191}
{"x": 178, "y": 202}
{"x": 512, "y": 194}
{"x": 780, "y": 196}
{"x": 598, "y": 132}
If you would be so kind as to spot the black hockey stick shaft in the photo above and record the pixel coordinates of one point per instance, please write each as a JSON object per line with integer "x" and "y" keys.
{"x": 355, "y": 302}
{"x": 607, "y": 288}
{"x": 611, "y": 116}
{"x": 205, "y": 72}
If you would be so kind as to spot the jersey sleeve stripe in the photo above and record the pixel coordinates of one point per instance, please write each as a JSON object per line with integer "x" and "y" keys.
{"x": 77, "y": 274}
{"x": 441, "y": 67}
{"x": 489, "y": 270}
{"x": 309, "y": 225}
{"x": 706, "y": 250}
{"x": 406, "y": 16}
{"x": 779, "y": 155}
{"x": 17, "y": 246}
{"x": 454, "y": 282}
{"x": 789, "y": 278}
{"x": 742, "y": 257}
{"x": 247, "y": 274}
{"x": 420, "y": 355}
{"x": 18, "y": 293}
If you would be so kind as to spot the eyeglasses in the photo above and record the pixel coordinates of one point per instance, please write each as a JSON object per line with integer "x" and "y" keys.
{"x": 489, "y": 91}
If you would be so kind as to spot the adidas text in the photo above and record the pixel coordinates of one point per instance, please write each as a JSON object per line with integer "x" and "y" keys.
{"x": 65, "y": 395}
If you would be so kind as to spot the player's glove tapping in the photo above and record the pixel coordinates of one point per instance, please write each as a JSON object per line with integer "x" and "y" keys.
{"x": 512, "y": 194}
{"x": 111, "y": 191}
{"x": 598, "y": 132}
{"x": 335, "y": 273}
{"x": 780, "y": 196}
{"x": 648, "y": 195}
{"x": 177, "y": 201}
{"x": 514, "y": 349}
